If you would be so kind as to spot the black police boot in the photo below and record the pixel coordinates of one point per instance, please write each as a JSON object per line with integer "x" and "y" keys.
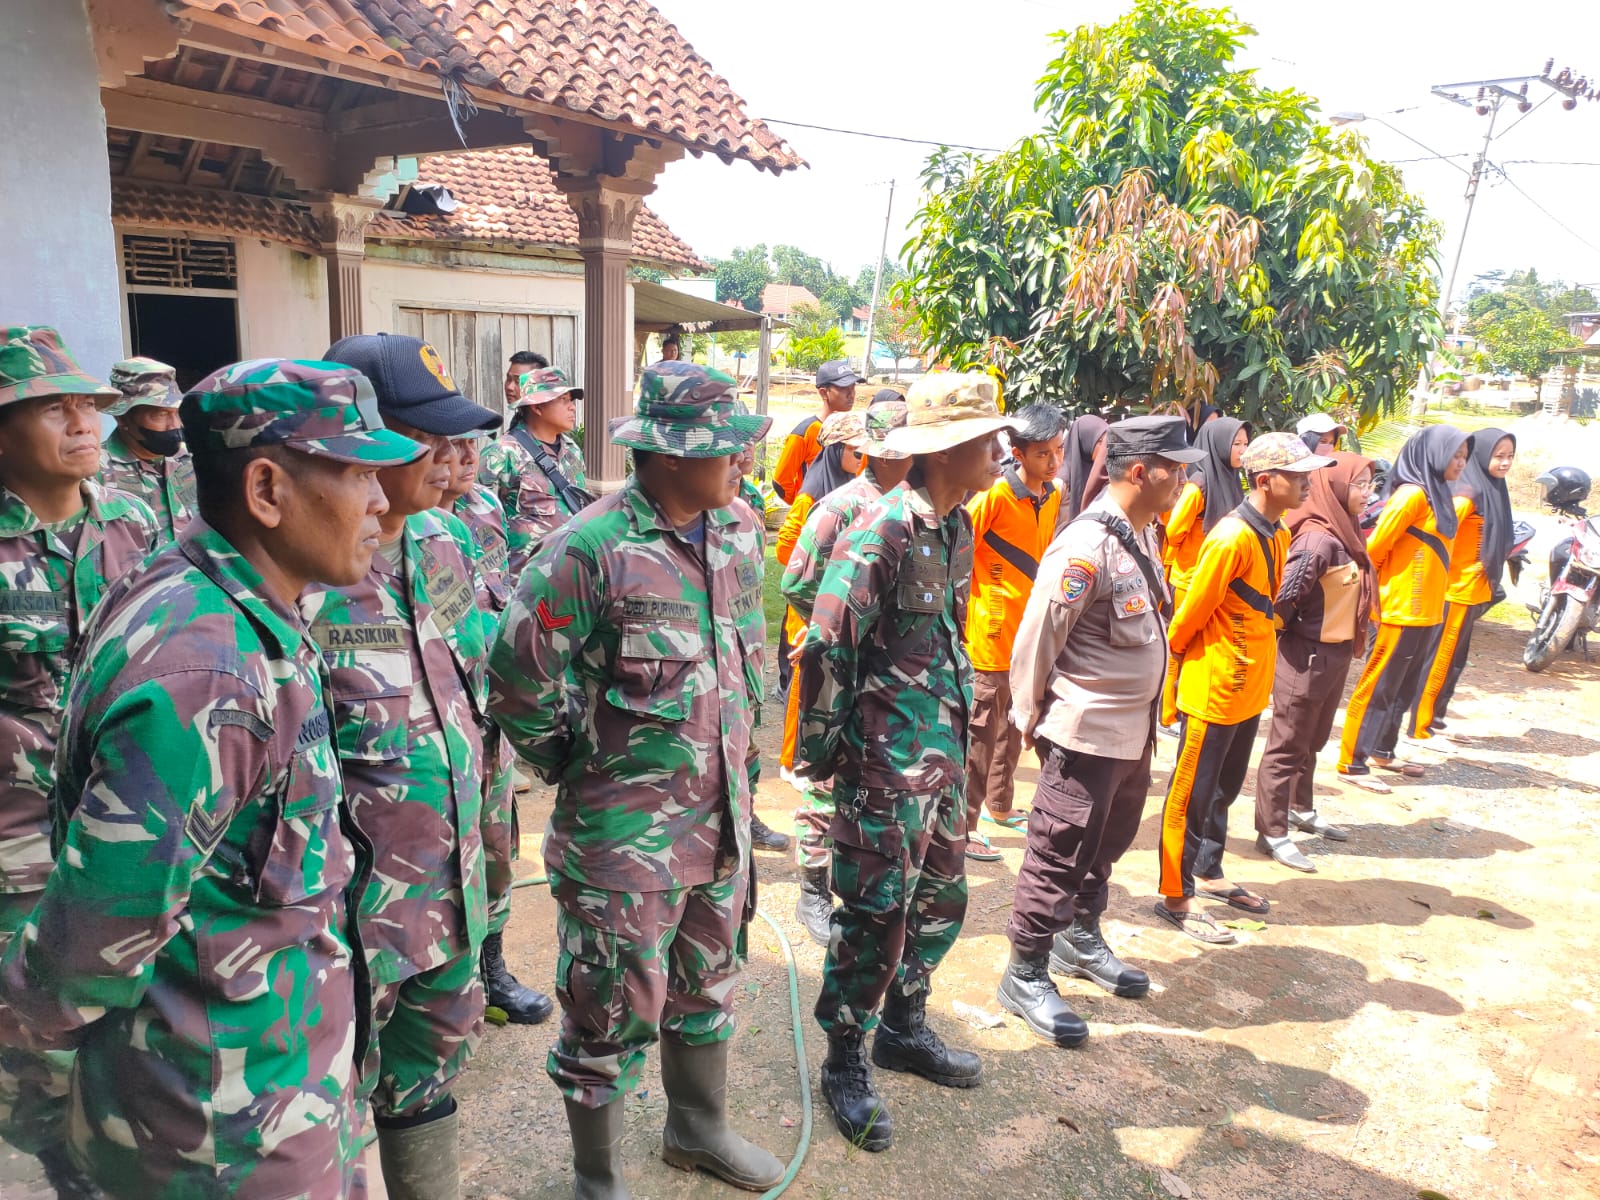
{"x": 763, "y": 837}
{"x": 521, "y": 1004}
{"x": 1027, "y": 990}
{"x": 905, "y": 1043}
{"x": 69, "y": 1182}
{"x": 815, "y": 908}
{"x": 857, "y": 1109}
{"x": 1081, "y": 950}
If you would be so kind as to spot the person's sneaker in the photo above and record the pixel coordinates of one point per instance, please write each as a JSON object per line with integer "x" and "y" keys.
{"x": 764, "y": 838}
{"x": 979, "y": 849}
{"x": 1315, "y": 822}
{"x": 1437, "y": 743}
{"x": 787, "y": 775}
{"x": 1285, "y": 853}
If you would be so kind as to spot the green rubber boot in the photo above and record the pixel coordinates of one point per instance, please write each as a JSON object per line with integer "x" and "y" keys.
{"x": 421, "y": 1159}
{"x": 697, "y": 1133}
{"x": 596, "y": 1151}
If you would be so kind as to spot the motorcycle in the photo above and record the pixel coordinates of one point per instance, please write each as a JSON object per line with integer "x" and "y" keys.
{"x": 1570, "y": 606}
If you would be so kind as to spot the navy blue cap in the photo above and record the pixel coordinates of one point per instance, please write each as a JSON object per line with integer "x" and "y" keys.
{"x": 837, "y": 374}
{"x": 412, "y": 384}
{"x": 1160, "y": 436}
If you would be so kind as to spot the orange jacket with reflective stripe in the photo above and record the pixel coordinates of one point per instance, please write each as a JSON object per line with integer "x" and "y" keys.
{"x": 798, "y": 452}
{"x": 1185, "y": 532}
{"x": 1224, "y": 629}
{"x": 1411, "y": 558}
{"x": 1011, "y": 528}
{"x": 1468, "y": 582}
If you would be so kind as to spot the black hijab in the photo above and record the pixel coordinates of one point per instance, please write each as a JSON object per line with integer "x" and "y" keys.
{"x": 1198, "y": 419}
{"x": 1490, "y": 499}
{"x": 1421, "y": 462}
{"x": 1217, "y": 477}
{"x": 1083, "y": 436}
{"x": 826, "y": 473}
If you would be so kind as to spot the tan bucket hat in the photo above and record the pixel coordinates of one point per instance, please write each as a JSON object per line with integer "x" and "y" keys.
{"x": 945, "y": 409}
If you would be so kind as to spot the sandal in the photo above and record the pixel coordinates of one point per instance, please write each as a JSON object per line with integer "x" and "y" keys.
{"x": 979, "y": 850}
{"x": 1197, "y": 925}
{"x": 1238, "y": 897}
{"x": 1366, "y": 782}
{"x": 1407, "y": 770}
{"x": 1016, "y": 819}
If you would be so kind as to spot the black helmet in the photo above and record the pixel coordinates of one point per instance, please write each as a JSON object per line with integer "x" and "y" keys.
{"x": 1564, "y": 487}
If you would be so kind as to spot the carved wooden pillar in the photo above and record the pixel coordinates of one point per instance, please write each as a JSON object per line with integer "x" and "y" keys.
{"x": 342, "y": 228}
{"x": 606, "y": 207}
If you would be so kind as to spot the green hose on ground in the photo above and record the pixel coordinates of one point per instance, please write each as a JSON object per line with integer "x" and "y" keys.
{"x": 799, "y": 1046}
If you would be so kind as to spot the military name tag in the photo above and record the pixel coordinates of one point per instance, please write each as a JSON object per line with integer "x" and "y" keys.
{"x": 450, "y": 595}
{"x": 657, "y": 608}
{"x": 313, "y": 730}
{"x": 33, "y": 604}
{"x": 359, "y": 637}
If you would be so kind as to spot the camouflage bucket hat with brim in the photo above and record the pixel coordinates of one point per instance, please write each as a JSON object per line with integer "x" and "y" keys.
{"x": 35, "y": 362}
{"x": 319, "y": 408}
{"x": 1280, "y": 452}
{"x": 945, "y": 409}
{"x": 688, "y": 412}
{"x": 847, "y": 428}
{"x": 883, "y": 416}
{"x": 543, "y": 385}
{"x": 143, "y": 381}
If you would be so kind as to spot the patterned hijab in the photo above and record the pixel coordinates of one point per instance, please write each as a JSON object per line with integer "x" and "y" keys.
{"x": 1422, "y": 461}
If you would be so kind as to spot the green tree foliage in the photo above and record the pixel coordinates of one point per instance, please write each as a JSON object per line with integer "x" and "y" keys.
{"x": 897, "y": 329}
{"x": 807, "y": 353}
{"x": 1516, "y": 334}
{"x": 893, "y": 273}
{"x": 1176, "y": 231}
{"x": 809, "y": 321}
{"x": 743, "y": 275}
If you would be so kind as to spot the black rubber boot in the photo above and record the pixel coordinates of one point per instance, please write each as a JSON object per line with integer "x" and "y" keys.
{"x": 421, "y": 1155}
{"x": 815, "y": 908}
{"x": 905, "y": 1043}
{"x": 697, "y": 1135}
{"x": 521, "y": 1004}
{"x": 596, "y": 1151}
{"x": 857, "y": 1109}
{"x": 69, "y": 1182}
{"x": 763, "y": 837}
{"x": 1027, "y": 990}
{"x": 1081, "y": 950}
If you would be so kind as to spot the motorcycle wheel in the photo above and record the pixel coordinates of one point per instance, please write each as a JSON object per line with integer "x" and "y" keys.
{"x": 1557, "y": 625}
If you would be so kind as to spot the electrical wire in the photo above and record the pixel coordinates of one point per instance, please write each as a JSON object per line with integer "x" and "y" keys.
{"x": 1501, "y": 171}
{"x": 882, "y": 137}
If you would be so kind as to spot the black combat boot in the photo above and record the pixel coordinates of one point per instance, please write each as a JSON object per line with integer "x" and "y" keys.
{"x": 763, "y": 837}
{"x": 857, "y": 1109}
{"x": 1027, "y": 990}
{"x": 69, "y": 1182}
{"x": 521, "y": 1004}
{"x": 815, "y": 908}
{"x": 905, "y": 1043}
{"x": 1081, "y": 950}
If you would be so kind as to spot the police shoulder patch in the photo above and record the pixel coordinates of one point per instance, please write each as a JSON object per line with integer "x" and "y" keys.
{"x": 1075, "y": 580}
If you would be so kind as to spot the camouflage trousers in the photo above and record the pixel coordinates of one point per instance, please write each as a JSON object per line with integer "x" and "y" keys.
{"x": 424, "y": 1029}
{"x": 631, "y": 964}
{"x": 813, "y": 846}
{"x": 501, "y": 836}
{"x": 900, "y": 872}
{"x": 33, "y": 1084}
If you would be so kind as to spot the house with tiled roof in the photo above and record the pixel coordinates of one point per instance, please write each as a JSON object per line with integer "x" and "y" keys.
{"x": 779, "y": 300}
{"x": 208, "y": 180}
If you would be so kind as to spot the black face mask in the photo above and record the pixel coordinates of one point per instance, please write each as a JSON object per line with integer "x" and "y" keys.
{"x": 162, "y": 442}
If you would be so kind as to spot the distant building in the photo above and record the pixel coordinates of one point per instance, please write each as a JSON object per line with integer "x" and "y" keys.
{"x": 779, "y": 300}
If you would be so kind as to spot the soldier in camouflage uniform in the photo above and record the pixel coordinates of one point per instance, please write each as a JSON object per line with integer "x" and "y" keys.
{"x": 535, "y": 468}
{"x": 63, "y": 539}
{"x": 884, "y": 470}
{"x": 193, "y": 940}
{"x": 404, "y": 648}
{"x": 626, "y": 674}
{"x": 144, "y": 456}
{"x": 480, "y": 513}
{"x": 885, "y": 701}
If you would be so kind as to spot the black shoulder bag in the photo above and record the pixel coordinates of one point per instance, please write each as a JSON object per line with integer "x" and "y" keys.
{"x": 574, "y": 497}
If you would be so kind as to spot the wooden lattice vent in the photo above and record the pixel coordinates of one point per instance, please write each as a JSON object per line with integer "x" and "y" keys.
{"x": 178, "y": 262}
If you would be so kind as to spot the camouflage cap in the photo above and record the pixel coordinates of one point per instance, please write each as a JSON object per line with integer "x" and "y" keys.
{"x": 687, "y": 411}
{"x": 945, "y": 409}
{"x": 34, "y": 362}
{"x": 544, "y": 384}
{"x": 1280, "y": 452}
{"x": 143, "y": 381}
{"x": 320, "y": 408}
{"x": 850, "y": 428}
{"x": 882, "y": 416}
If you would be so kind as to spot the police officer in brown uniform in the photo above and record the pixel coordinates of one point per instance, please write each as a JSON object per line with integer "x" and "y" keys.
{"x": 1086, "y": 670}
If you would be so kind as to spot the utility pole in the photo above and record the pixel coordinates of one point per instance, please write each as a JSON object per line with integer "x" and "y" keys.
{"x": 1472, "y": 197}
{"x": 877, "y": 283}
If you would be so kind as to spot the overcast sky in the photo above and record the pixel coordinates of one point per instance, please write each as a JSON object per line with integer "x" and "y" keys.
{"x": 964, "y": 71}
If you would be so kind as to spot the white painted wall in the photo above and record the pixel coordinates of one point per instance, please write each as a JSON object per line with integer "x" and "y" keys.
{"x": 58, "y": 259}
{"x": 283, "y": 301}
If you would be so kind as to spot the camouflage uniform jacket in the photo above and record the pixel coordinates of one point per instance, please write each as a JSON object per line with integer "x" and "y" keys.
{"x": 47, "y": 589}
{"x": 812, "y": 549}
{"x": 885, "y": 685}
{"x": 625, "y": 672}
{"x": 485, "y": 518}
{"x": 531, "y": 505}
{"x": 192, "y": 942}
{"x": 165, "y": 484}
{"x": 404, "y": 653}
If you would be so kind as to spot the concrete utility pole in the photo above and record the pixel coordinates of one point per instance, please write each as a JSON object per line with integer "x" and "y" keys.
{"x": 877, "y": 282}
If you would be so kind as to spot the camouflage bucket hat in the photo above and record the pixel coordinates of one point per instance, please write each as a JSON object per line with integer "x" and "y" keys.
{"x": 143, "y": 381}
{"x": 319, "y": 408}
{"x": 849, "y": 428}
{"x": 881, "y": 417}
{"x": 687, "y": 411}
{"x": 1280, "y": 452}
{"x": 34, "y": 362}
{"x": 945, "y": 409}
{"x": 543, "y": 385}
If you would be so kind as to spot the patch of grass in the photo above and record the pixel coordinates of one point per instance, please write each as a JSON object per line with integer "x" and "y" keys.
{"x": 771, "y": 597}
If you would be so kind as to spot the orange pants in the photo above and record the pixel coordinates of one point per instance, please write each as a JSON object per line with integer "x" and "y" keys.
{"x": 1169, "y": 686}
{"x": 1448, "y": 661}
{"x": 794, "y": 632}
